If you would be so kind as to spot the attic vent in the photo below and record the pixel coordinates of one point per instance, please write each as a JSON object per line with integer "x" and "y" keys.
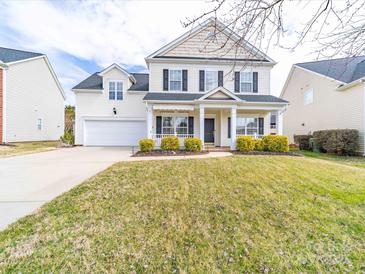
{"x": 211, "y": 36}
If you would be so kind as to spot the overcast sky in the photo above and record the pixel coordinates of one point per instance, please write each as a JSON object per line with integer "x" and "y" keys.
{"x": 81, "y": 38}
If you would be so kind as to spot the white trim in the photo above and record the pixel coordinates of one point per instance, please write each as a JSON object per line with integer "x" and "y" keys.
{"x": 87, "y": 90}
{"x": 112, "y": 118}
{"x": 173, "y": 107}
{"x": 114, "y": 65}
{"x": 224, "y": 29}
{"x": 25, "y": 60}
{"x": 363, "y": 130}
{"x": 246, "y": 92}
{"x": 49, "y": 67}
{"x": 4, "y": 106}
{"x": 351, "y": 84}
{"x": 203, "y": 61}
{"x": 181, "y": 74}
{"x": 307, "y": 70}
{"x": 219, "y": 89}
{"x": 116, "y": 92}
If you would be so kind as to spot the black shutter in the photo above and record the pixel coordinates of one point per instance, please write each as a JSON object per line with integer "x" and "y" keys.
{"x": 201, "y": 80}
{"x": 158, "y": 125}
{"x": 229, "y": 127}
{"x": 220, "y": 78}
{"x": 185, "y": 80}
{"x": 255, "y": 82}
{"x": 165, "y": 79}
{"x": 261, "y": 126}
{"x": 191, "y": 125}
{"x": 237, "y": 81}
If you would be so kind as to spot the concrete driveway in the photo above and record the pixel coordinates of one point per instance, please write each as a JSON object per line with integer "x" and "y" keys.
{"x": 28, "y": 181}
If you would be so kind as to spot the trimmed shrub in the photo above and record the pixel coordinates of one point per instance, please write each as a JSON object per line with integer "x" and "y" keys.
{"x": 275, "y": 143}
{"x": 303, "y": 141}
{"x": 339, "y": 141}
{"x": 193, "y": 144}
{"x": 170, "y": 143}
{"x": 259, "y": 145}
{"x": 245, "y": 143}
{"x": 146, "y": 145}
{"x": 68, "y": 138}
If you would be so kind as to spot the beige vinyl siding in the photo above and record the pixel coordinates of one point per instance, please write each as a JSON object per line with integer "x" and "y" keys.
{"x": 330, "y": 109}
{"x": 156, "y": 75}
{"x": 90, "y": 104}
{"x": 199, "y": 45}
{"x": 32, "y": 94}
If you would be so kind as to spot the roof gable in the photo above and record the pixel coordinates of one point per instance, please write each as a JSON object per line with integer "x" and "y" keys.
{"x": 205, "y": 41}
{"x": 219, "y": 93}
{"x": 116, "y": 66}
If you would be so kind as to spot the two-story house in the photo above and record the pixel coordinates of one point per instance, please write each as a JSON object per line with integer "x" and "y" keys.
{"x": 195, "y": 88}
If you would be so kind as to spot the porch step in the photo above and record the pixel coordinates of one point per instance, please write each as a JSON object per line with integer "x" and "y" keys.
{"x": 217, "y": 149}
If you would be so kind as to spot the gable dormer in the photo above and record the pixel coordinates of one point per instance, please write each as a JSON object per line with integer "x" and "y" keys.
{"x": 205, "y": 41}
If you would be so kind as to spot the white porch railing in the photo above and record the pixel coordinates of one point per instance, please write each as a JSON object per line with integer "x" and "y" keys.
{"x": 255, "y": 136}
{"x": 182, "y": 137}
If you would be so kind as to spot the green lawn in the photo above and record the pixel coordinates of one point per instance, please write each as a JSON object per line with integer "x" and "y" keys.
{"x": 241, "y": 214}
{"x": 346, "y": 160}
{"x": 27, "y": 148}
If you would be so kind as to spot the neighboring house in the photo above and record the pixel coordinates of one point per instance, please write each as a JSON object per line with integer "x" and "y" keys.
{"x": 194, "y": 88}
{"x": 31, "y": 98}
{"x": 327, "y": 94}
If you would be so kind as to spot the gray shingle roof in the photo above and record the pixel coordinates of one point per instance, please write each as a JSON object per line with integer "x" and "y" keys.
{"x": 142, "y": 82}
{"x": 344, "y": 69}
{"x": 165, "y": 96}
{"x": 95, "y": 81}
{"x": 11, "y": 55}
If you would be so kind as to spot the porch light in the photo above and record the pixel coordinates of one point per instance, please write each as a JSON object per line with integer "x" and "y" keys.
{"x": 114, "y": 111}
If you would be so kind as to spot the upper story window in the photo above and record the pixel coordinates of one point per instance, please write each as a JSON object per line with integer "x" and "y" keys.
{"x": 211, "y": 80}
{"x": 308, "y": 97}
{"x": 39, "y": 124}
{"x": 115, "y": 90}
{"x": 175, "y": 80}
{"x": 246, "y": 81}
{"x": 273, "y": 118}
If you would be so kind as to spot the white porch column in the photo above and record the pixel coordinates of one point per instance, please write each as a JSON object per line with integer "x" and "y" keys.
{"x": 149, "y": 121}
{"x": 280, "y": 122}
{"x": 201, "y": 123}
{"x": 233, "y": 127}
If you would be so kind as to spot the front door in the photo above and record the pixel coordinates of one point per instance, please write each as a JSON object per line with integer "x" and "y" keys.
{"x": 209, "y": 130}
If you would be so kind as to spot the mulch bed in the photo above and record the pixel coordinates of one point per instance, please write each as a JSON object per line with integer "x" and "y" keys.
{"x": 267, "y": 153}
{"x": 168, "y": 153}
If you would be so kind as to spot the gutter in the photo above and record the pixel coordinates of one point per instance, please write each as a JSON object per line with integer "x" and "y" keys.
{"x": 351, "y": 84}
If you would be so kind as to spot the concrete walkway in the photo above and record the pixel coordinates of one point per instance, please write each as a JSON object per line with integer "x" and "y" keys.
{"x": 29, "y": 181}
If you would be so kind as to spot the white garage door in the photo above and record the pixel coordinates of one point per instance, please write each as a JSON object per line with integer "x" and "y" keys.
{"x": 114, "y": 133}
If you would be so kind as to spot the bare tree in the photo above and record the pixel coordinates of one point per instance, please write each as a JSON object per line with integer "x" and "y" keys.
{"x": 337, "y": 27}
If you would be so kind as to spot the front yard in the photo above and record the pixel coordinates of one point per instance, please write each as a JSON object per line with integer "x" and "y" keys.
{"x": 27, "y": 148}
{"x": 236, "y": 214}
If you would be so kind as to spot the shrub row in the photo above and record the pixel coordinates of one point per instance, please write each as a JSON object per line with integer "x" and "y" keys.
{"x": 272, "y": 143}
{"x": 171, "y": 143}
{"x": 339, "y": 141}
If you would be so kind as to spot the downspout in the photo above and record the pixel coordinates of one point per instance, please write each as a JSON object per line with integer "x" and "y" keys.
{"x": 363, "y": 129}
{"x": 4, "y": 100}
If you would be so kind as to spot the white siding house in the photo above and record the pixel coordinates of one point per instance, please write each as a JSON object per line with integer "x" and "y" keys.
{"x": 193, "y": 89}
{"x": 32, "y": 98}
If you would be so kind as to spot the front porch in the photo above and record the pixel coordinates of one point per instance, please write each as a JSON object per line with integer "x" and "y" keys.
{"x": 211, "y": 123}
